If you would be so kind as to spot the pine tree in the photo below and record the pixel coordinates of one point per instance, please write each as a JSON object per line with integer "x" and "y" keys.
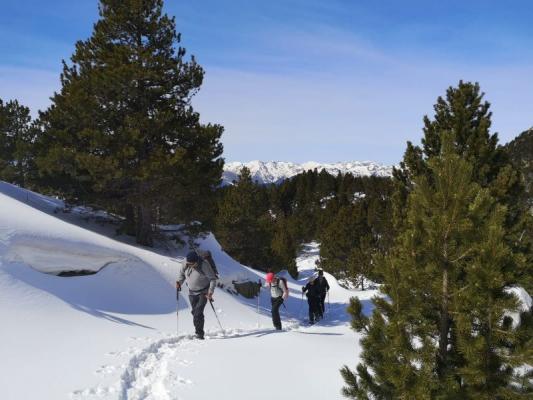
{"x": 122, "y": 131}
{"x": 520, "y": 150}
{"x": 340, "y": 242}
{"x": 284, "y": 246}
{"x": 15, "y": 143}
{"x": 442, "y": 331}
{"x": 242, "y": 223}
{"x": 360, "y": 260}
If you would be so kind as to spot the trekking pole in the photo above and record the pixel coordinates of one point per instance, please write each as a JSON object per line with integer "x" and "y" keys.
{"x": 287, "y": 310}
{"x": 259, "y": 285}
{"x": 258, "y": 320}
{"x": 258, "y": 296}
{"x": 177, "y": 310}
{"x": 216, "y": 316}
{"x": 301, "y": 307}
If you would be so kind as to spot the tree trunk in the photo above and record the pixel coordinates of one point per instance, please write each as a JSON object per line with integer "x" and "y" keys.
{"x": 144, "y": 225}
{"x": 442, "y": 357}
{"x": 21, "y": 177}
{"x": 129, "y": 226}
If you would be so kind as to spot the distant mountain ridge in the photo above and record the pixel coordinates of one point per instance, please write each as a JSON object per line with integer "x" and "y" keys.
{"x": 277, "y": 171}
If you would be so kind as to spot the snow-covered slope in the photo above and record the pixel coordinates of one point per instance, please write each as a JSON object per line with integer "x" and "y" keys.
{"x": 277, "y": 171}
{"x": 115, "y": 334}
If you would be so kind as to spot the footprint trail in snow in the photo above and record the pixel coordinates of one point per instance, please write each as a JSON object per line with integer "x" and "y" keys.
{"x": 155, "y": 371}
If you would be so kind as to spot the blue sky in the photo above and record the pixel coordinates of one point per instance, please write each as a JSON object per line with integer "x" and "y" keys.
{"x": 299, "y": 80}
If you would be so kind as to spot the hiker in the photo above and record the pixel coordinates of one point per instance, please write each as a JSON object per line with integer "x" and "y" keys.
{"x": 313, "y": 300}
{"x": 323, "y": 289}
{"x": 201, "y": 281}
{"x": 278, "y": 292}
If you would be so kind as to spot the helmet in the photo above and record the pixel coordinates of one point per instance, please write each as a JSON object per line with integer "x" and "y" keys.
{"x": 269, "y": 277}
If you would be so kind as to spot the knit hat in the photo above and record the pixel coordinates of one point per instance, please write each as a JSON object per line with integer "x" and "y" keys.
{"x": 192, "y": 257}
{"x": 269, "y": 277}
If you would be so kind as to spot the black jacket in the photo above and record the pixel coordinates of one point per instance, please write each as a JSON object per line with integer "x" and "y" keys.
{"x": 311, "y": 290}
{"x": 322, "y": 284}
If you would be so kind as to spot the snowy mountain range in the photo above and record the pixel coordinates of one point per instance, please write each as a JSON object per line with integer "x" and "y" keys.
{"x": 277, "y": 171}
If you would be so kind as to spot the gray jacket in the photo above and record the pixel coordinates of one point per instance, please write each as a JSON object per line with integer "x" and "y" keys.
{"x": 200, "y": 279}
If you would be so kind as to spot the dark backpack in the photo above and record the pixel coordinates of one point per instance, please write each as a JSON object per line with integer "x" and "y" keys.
{"x": 312, "y": 289}
{"x": 207, "y": 257}
{"x": 279, "y": 278}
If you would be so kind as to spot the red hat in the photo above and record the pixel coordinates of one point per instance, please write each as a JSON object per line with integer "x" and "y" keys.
{"x": 269, "y": 277}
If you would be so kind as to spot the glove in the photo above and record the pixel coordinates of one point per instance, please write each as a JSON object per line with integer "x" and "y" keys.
{"x": 178, "y": 286}
{"x": 209, "y": 296}
{"x": 303, "y": 289}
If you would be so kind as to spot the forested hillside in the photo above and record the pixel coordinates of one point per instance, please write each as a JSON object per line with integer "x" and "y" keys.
{"x": 263, "y": 225}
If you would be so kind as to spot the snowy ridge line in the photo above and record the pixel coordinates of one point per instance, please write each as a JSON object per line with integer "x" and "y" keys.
{"x": 277, "y": 171}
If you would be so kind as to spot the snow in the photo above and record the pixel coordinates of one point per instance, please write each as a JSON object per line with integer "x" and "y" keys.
{"x": 115, "y": 334}
{"x": 359, "y": 196}
{"x": 525, "y": 302}
{"x": 277, "y": 171}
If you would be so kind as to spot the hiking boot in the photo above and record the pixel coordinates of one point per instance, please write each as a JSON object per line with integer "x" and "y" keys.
{"x": 199, "y": 336}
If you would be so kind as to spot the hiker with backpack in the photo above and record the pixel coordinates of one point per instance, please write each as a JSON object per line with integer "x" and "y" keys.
{"x": 201, "y": 281}
{"x": 323, "y": 289}
{"x": 313, "y": 300}
{"x": 279, "y": 291}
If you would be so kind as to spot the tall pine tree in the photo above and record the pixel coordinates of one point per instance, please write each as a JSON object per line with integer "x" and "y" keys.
{"x": 443, "y": 331}
{"x": 122, "y": 132}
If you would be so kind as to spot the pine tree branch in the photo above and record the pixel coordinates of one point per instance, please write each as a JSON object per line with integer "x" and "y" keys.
{"x": 462, "y": 255}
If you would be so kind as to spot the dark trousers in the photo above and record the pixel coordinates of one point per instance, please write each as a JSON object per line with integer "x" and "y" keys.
{"x": 276, "y": 304}
{"x": 322, "y": 306}
{"x": 314, "y": 308}
{"x": 198, "y": 302}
